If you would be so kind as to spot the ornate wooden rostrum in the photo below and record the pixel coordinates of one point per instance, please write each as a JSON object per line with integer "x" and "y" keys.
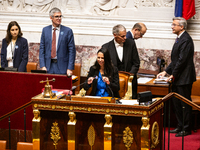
{"x": 98, "y": 125}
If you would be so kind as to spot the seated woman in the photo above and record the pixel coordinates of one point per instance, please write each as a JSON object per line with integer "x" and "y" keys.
{"x": 103, "y": 75}
{"x": 14, "y": 51}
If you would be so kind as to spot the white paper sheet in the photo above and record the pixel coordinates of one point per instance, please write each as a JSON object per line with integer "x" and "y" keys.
{"x": 144, "y": 79}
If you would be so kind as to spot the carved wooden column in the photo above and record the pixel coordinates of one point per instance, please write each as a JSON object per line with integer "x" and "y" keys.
{"x": 71, "y": 130}
{"x": 108, "y": 133}
{"x": 36, "y": 129}
{"x": 145, "y": 143}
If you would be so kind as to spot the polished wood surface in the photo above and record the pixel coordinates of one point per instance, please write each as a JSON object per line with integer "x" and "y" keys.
{"x": 156, "y": 89}
{"x": 93, "y": 113}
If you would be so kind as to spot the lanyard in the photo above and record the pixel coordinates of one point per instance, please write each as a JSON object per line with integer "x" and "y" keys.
{"x": 12, "y": 50}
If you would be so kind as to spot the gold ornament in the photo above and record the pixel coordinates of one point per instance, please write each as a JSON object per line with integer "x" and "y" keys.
{"x": 55, "y": 134}
{"x": 155, "y": 135}
{"x": 128, "y": 137}
{"x": 91, "y": 136}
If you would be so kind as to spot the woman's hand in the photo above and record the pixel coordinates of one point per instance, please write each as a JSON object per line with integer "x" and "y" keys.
{"x": 90, "y": 80}
{"x": 106, "y": 79}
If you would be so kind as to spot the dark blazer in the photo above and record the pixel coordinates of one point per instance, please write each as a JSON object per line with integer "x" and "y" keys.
{"x": 20, "y": 54}
{"x": 182, "y": 65}
{"x": 114, "y": 82}
{"x": 130, "y": 53}
{"x": 66, "y": 51}
{"x": 129, "y": 35}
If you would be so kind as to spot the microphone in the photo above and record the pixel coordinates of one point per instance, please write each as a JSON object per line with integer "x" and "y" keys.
{"x": 74, "y": 87}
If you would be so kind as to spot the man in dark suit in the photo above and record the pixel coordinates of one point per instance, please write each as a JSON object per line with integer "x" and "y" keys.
{"x": 61, "y": 59}
{"x": 182, "y": 73}
{"x": 138, "y": 30}
{"x": 124, "y": 54}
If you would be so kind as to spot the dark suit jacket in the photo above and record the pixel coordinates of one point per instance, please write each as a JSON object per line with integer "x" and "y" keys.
{"x": 114, "y": 82}
{"x": 130, "y": 53}
{"x": 66, "y": 51}
{"x": 20, "y": 54}
{"x": 182, "y": 65}
{"x": 129, "y": 35}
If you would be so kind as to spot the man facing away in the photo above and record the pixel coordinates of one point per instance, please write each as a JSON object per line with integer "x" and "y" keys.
{"x": 182, "y": 73}
{"x": 124, "y": 54}
{"x": 138, "y": 30}
{"x": 57, "y": 48}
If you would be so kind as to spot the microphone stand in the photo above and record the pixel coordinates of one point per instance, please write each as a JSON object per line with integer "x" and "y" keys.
{"x": 113, "y": 98}
{"x": 68, "y": 97}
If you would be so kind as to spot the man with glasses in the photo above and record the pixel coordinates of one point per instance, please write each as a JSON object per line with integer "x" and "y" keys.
{"x": 124, "y": 54}
{"x": 181, "y": 71}
{"x": 138, "y": 30}
{"x": 57, "y": 48}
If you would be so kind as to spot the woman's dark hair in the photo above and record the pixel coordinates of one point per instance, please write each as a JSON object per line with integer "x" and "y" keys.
{"x": 9, "y": 36}
{"x": 108, "y": 65}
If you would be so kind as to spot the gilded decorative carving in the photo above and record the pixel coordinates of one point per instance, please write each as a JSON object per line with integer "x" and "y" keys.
{"x": 89, "y": 109}
{"x": 145, "y": 122}
{"x": 154, "y": 135}
{"x": 81, "y": 93}
{"x": 107, "y": 110}
{"x": 144, "y": 113}
{"x": 71, "y": 131}
{"x": 91, "y": 136}
{"x": 108, "y": 121}
{"x": 108, "y": 132}
{"x": 36, "y": 128}
{"x": 71, "y": 108}
{"x": 53, "y": 107}
{"x": 72, "y": 118}
{"x": 35, "y": 105}
{"x": 128, "y": 94}
{"x": 55, "y": 134}
{"x": 36, "y": 114}
{"x": 145, "y": 143}
{"x": 126, "y": 112}
{"x": 127, "y": 137}
{"x": 159, "y": 106}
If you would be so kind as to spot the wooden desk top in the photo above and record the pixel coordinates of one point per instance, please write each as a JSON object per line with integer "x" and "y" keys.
{"x": 151, "y": 83}
{"x": 95, "y": 107}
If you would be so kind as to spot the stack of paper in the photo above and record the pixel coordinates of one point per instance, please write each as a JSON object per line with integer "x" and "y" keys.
{"x": 161, "y": 81}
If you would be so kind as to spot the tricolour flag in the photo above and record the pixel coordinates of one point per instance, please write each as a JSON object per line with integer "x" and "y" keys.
{"x": 185, "y": 8}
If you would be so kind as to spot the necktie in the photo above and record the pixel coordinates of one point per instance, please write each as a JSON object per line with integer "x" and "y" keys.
{"x": 53, "y": 46}
{"x": 176, "y": 41}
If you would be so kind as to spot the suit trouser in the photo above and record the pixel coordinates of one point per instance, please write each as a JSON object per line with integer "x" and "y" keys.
{"x": 134, "y": 87}
{"x": 185, "y": 91}
{"x": 54, "y": 68}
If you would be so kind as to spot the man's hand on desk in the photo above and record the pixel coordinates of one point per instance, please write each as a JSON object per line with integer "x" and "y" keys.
{"x": 161, "y": 75}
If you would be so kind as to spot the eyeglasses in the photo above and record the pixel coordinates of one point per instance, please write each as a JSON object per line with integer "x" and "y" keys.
{"x": 123, "y": 36}
{"x": 173, "y": 25}
{"x": 141, "y": 34}
{"x": 58, "y": 16}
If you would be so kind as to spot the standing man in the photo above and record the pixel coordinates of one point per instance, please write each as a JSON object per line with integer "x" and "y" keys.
{"x": 182, "y": 73}
{"x": 124, "y": 54}
{"x": 57, "y": 48}
{"x": 138, "y": 30}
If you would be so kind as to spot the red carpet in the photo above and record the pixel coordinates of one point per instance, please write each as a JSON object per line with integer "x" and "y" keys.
{"x": 191, "y": 142}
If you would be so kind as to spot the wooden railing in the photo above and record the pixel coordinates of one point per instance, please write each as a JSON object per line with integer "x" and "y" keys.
{"x": 12, "y": 113}
{"x": 185, "y": 100}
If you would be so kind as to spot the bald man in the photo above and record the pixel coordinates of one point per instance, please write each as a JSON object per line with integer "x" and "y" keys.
{"x": 138, "y": 30}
